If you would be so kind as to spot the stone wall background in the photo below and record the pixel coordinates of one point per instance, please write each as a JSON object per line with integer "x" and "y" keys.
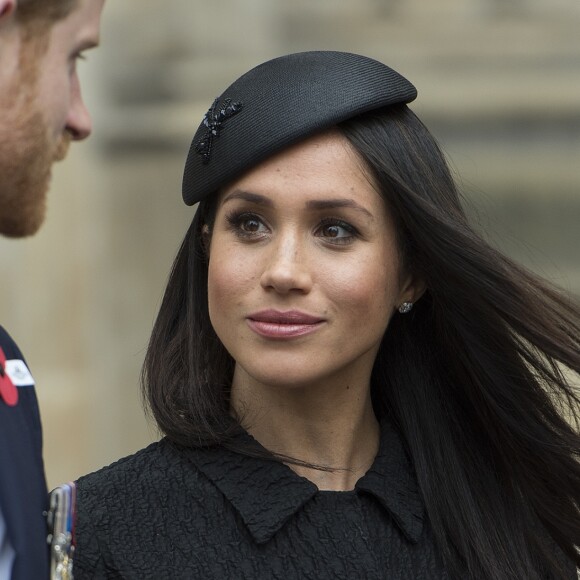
{"x": 499, "y": 84}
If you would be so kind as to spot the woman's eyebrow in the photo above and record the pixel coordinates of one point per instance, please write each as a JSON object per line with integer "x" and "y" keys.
{"x": 337, "y": 203}
{"x": 248, "y": 196}
{"x": 315, "y": 204}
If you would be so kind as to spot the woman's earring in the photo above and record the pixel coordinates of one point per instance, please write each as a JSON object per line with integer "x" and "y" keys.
{"x": 405, "y": 307}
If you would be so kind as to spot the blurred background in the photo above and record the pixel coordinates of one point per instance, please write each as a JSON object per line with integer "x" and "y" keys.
{"x": 499, "y": 85}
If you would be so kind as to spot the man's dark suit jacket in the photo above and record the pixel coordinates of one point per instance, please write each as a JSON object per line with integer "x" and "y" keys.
{"x": 23, "y": 497}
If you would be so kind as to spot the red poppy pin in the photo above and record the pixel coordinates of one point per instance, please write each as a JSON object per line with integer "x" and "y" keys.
{"x": 8, "y": 391}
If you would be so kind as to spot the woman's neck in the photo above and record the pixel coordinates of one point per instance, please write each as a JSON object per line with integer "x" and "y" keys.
{"x": 331, "y": 425}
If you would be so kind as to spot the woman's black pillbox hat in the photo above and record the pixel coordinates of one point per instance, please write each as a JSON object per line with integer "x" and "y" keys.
{"x": 279, "y": 103}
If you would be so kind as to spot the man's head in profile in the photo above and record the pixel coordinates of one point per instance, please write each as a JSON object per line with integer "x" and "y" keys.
{"x": 41, "y": 106}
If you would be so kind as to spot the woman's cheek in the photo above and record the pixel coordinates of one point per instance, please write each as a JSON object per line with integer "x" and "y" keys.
{"x": 230, "y": 273}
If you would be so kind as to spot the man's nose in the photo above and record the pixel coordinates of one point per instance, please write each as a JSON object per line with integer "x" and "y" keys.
{"x": 78, "y": 122}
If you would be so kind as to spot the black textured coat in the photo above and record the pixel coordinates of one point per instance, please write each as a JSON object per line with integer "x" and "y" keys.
{"x": 170, "y": 512}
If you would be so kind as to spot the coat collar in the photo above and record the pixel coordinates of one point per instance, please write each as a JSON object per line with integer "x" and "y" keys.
{"x": 267, "y": 493}
{"x": 392, "y": 480}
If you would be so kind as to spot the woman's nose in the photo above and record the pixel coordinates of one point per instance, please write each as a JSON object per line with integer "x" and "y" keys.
{"x": 287, "y": 268}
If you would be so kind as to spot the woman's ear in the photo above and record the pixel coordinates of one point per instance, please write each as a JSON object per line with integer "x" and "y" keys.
{"x": 412, "y": 288}
{"x": 205, "y": 238}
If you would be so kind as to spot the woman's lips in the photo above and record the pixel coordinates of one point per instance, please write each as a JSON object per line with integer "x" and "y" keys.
{"x": 289, "y": 324}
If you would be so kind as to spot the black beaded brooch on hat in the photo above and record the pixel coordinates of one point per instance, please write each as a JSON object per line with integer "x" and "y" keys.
{"x": 213, "y": 120}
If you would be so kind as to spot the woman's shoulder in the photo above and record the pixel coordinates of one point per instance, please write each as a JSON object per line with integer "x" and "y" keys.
{"x": 162, "y": 470}
{"x": 130, "y": 464}
{"x": 119, "y": 507}
{"x": 151, "y": 467}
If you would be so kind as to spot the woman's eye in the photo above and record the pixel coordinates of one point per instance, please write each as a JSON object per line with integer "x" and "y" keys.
{"x": 334, "y": 232}
{"x": 250, "y": 225}
{"x": 337, "y": 232}
{"x": 246, "y": 225}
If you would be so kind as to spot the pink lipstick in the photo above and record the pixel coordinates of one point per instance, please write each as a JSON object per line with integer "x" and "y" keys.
{"x": 283, "y": 325}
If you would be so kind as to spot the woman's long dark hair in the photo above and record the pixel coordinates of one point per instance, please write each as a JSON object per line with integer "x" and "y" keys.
{"x": 475, "y": 378}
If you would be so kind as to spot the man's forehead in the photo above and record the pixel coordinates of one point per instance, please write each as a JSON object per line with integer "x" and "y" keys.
{"x": 49, "y": 11}
{"x": 82, "y": 24}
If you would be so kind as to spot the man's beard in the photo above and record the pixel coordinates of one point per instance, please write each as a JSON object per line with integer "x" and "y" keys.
{"x": 27, "y": 153}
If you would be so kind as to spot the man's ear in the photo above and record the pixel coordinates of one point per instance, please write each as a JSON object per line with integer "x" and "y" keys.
{"x": 7, "y": 9}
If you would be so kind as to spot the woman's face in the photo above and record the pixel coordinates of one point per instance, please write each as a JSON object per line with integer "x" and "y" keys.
{"x": 304, "y": 272}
